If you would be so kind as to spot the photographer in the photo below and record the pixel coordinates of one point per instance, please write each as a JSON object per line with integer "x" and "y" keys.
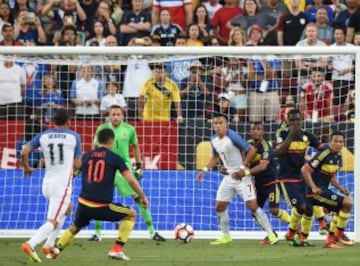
{"x": 29, "y": 29}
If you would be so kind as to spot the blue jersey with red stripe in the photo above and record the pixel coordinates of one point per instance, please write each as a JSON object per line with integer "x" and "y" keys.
{"x": 98, "y": 173}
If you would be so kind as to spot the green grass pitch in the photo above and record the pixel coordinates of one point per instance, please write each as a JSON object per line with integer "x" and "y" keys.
{"x": 197, "y": 253}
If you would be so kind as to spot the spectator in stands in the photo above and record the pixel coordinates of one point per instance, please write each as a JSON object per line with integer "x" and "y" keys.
{"x": 32, "y": 128}
{"x": 255, "y": 36}
{"x": 305, "y": 64}
{"x": 222, "y": 106}
{"x": 86, "y": 94}
{"x": 212, "y": 40}
{"x": 222, "y": 18}
{"x": 56, "y": 10}
{"x": 201, "y": 18}
{"x": 181, "y": 12}
{"x": 68, "y": 20}
{"x": 29, "y": 29}
{"x": 135, "y": 23}
{"x": 343, "y": 18}
{"x": 342, "y": 69}
{"x": 157, "y": 95}
{"x": 311, "y": 12}
{"x": 112, "y": 73}
{"x": 353, "y": 25}
{"x": 12, "y": 87}
{"x": 97, "y": 34}
{"x": 180, "y": 40}
{"x": 6, "y": 16}
{"x": 237, "y": 37}
{"x": 234, "y": 79}
{"x": 289, "y": 105}
{"x": 194, "y": 36}
{"x": 264, "y": 85}
{"x": 350, "y": 106}
{"x": 212, "y": 6}
{"x": 166, "y": 31}
{"x": 291, "y": 25}
{"x": 103, "y": 14}
{"x": 316, "y": 100}
{"x": 357, "y": 39}
{"x": 337, "y": 7}
{"x": 253, "y": 16}
{"x": 195, "y": 92}
{"x": 325, "y": 31}
{"x": 113, "y": 97}
{"x": 52, "y": 98}
{"x": 7, "y": 32}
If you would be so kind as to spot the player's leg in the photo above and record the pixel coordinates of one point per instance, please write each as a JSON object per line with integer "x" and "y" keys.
{"x": 306, "y": 224}
{"x": 320, "y": 216}
{"x": 125, "y": 190}
{"x": 97, "y": 235}
{"x": 274, "y": 201}
{"x": 224, "y": 195}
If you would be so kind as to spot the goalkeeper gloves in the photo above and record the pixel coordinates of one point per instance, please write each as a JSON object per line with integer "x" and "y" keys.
{"x": 138, "y": 172}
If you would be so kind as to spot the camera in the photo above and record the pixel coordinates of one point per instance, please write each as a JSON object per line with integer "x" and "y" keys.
{"x": 139, "y": 41}
{"x": 30, "y": 17}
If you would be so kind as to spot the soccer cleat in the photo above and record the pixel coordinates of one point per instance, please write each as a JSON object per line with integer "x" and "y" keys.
{"x": 265, "y": 241}
{"x": 95, "y": 237}
{"x": 30, "y": 252}
{"x": 305, "y": 244}
{"x": 292, "y": 241}
{"x": 332, "y": 245}
{"x": 273, "y": 239}
{"x": 345, "y": 241}
{"x": 222, "y": 241}
{"x": 158, "y": 237}
{"x": 324, "y": 231}
{"x": 117, "y": 252}
{"x": 49, "y": 253}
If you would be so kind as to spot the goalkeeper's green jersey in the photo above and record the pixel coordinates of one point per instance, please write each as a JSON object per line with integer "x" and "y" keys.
{"x": 125, "y": 134}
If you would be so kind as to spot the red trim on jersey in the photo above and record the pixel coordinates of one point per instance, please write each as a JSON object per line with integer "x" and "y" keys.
{"x": 308, "y": 166}
{"x": 289, "y": 180}
{"x": 90, "y": 203}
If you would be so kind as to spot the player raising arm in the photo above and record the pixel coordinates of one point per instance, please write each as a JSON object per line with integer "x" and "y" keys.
{"x": 227, "y": 146}
{"x": 319, "y": 173}
{"x": 61, "y": 149}
{"x": 95, "y": 200}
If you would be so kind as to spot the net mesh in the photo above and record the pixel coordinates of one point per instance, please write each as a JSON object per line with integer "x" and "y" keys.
{"x": 246, "y": 88}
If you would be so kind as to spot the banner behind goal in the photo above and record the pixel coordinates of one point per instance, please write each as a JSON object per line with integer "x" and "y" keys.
{"x": 258, "y": 84}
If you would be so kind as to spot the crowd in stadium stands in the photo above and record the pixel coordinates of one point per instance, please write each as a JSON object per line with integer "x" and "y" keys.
{"x": 323, "y": 87}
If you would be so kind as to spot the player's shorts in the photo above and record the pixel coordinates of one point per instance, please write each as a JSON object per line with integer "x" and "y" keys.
{"x": 269, "y": 193}
{"x": 112, "y": 212}
{"x": 229, "y": 187}
{"x": 328, "y": 199}
{"x": 59, "y": 198}
{"x": 123, "y": 185}
{"x": 294, "y": 193}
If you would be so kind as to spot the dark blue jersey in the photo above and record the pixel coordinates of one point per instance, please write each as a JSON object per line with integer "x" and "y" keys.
{"x": 291, "y": 161}
{"x": 264, "y": 152}
{"x": 324, "y": 165}
{"x": 98, "y": 173}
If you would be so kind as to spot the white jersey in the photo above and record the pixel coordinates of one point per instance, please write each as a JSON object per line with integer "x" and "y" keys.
{"x": 229, "y": 150}
{"x": 59, "y": 148}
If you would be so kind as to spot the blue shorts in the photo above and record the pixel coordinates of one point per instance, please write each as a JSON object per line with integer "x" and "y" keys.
{"x": 294, "y": 193}
{"x": 328, "y": 199}
{"x": 269, "y": 193}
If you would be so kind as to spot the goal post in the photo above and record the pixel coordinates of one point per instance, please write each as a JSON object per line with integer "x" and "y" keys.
{"x": 172, "y": 153}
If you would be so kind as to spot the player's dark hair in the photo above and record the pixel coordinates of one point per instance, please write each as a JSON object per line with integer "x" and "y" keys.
{"x": 293, "y": 112}
{"x": 337, "y": 133}
{"x": 257, "y": 123}
{"x": 61, "y": 117}
{"x": 105, "y": 135}
{"x": 220, "y": 115}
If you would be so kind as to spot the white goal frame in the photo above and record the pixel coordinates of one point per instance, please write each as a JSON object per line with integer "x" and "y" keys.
{"x": 219, "y": 51}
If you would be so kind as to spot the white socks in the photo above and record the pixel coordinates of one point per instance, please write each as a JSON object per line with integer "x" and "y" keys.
{"x": 262, "y": 219}
{"x": 41, "y": 234}
{"x": 223, "y": 221}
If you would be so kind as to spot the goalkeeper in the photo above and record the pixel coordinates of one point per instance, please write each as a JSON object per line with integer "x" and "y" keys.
{"x": 125, "y": 135}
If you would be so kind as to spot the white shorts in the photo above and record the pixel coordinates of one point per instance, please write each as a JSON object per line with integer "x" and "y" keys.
{"x": 229, "y": 187}
{"x": 59, "y": 198}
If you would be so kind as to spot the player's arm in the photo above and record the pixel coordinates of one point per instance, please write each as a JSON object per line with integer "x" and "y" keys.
{"x": 214, "y": 160}
{"x": 136, "y": 187}
{"x": 306, "y": 172}
{"x": 138, "y": 172}
{"x": 24, "y": 159}
{"x": 283, "y": 147}
{"x": 335, "y": 183}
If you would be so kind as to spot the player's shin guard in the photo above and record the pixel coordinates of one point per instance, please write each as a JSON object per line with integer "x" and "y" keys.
{"x": 263, "y": 220}
{"x": 65, "y": 239}
{"x": 343, "y": 218}
{"x": 223, "y": 221}
{"x": 146, "y": 215}
{"x": 295, "y": 219}
{"x": 283, "y": 216}
{"x": 306, "y": 224}
{"x": 125, "y": 229}
{"x": 333, "y": 224}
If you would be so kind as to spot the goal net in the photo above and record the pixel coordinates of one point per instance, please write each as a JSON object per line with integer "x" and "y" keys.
{"x": 248, "y": 84}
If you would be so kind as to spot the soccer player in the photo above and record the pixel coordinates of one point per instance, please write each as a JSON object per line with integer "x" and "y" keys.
{"x": 228, "y": 146}
{"x": 125, "y": 135}
{"x": 319, "y": 173}
{"x": 61, "y": 149}
{"x": 292, "y": 142}
{"x": 95, "y": 200}
{"x": 263, "y": 168}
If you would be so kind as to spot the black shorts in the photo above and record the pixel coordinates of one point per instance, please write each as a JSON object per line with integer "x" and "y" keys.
{"x": 270, "y": 193}
{"x": 112, "y": 212}
{"x": 294, "y": 193}
{"x": 328, "y": 199}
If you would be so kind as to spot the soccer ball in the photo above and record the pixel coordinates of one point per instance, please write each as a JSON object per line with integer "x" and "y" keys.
{"x": 184, "y": 233}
